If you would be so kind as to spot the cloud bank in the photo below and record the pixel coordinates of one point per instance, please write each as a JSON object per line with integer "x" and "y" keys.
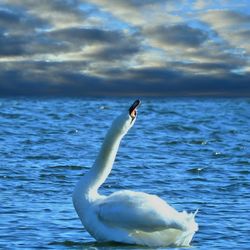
{"x": 115, "y": 47}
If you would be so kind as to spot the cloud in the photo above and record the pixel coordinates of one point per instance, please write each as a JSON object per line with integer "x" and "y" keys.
{"x": 139, "y": 13}
{"x": 230, "y": 25}
{"x": 14, "y": 21}
{"x": 11, "y": 46}
{"x": 97, "y": 44}
{"x": 227, "y": 19}
{"x": 8, "y": 18}
{"x": 101, "y": 47}
{"x": 146, "y": 82}
{"x": 177, "y": 35}
{"x": 66, "y": 79}
{"x": 76, "y": 35}
{"x": 56, "y": 13}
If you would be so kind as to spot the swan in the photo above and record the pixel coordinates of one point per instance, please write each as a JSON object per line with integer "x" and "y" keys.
{"x": 127, "y": 216}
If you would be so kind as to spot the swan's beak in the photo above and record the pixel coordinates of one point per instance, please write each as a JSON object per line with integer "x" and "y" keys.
{"x": 132, "y": 109}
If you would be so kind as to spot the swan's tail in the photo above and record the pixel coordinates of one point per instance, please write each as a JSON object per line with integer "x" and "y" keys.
{"x": 194, "y": 214}
{"x": 169, "y": 237}
{"x": 192, "y": 226}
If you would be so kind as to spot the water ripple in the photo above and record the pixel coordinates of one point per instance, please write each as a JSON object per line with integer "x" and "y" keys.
{"x": 192, "y": 152}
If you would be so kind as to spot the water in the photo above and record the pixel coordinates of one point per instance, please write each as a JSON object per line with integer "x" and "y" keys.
{"x": 194, "y": 153}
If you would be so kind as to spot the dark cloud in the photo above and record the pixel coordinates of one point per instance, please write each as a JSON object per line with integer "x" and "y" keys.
{"x": 135, "y": 3}
{"x": 117, "y": 51}
{"x": 234, "y": 17}
{"x": 16, "y": 21}
{"x": 154, "y": 74}
{"x": 95, "y": 47}
{"x": 160, "y": 81}
{"x": 30, "y": 45}
{"x": 217, "y": 68}
{"x": 112, "y": 45}
{"x": 245, "y": 34}
{"x": 14, "y": 84}
{"x": 11, "y": 45}
{"x": 50, "y": 11}
{"x": 230, "y": 85}
{"x": 130, "y": 4}
{"x": 151, "y": 81}
{"x": 19, "y": 31}
{"x": 8, "y": 17}
{"x": 179, "y": 34}
{"x": 77, "y": 35}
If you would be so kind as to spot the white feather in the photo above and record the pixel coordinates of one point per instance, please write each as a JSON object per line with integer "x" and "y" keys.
{"x": 139, "y": 211}
{"x": 127, "y": 216}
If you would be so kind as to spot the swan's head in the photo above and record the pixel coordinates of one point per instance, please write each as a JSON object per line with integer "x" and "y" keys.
{"x": 127, "y": 119}
{"x": 133, "y": 111}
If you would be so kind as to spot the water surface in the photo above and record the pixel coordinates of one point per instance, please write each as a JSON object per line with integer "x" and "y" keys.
{"x": 194, "y": 153}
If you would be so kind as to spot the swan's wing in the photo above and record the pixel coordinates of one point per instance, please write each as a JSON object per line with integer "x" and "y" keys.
{"x": 138, "y": 211}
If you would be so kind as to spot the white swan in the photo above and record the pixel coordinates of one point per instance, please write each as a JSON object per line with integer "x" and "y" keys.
{"x": 127, "y": 216}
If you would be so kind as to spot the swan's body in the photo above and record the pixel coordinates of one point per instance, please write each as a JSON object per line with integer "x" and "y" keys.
{"x": 127, "y": 216}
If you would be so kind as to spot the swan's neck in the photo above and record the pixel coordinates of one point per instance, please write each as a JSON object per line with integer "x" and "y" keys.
{"x": 90, "y": 182}
{"x": 105, "y": 159}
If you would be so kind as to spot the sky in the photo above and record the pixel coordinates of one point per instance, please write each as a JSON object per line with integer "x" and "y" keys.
{"x": 124, "y": 48}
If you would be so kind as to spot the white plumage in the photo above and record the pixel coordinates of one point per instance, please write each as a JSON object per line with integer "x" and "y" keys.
{"x": 127, "y": 216}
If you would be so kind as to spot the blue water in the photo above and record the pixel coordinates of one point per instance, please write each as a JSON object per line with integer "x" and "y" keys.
{"x": 194, "y": 153}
